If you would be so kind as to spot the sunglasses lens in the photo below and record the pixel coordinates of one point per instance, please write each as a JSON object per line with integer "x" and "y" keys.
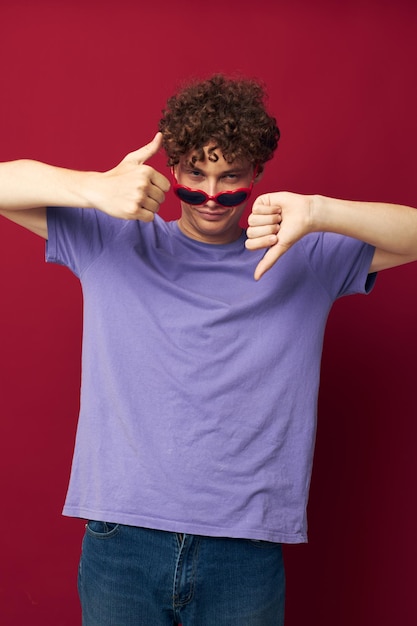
{"x": 189, "y": 196}
{"x": 198, "y": 197}
{"x": 232, "y": 199}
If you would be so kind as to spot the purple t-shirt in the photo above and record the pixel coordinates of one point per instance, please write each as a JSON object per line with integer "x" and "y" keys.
{"x": 199, "y": 384}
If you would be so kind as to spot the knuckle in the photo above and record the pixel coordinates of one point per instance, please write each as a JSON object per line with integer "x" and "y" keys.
{"x": 147, "y": 216}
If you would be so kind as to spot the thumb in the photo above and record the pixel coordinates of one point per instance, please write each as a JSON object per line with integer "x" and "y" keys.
{"x": 147, "y": 151}
{"x": 269, "y": 259}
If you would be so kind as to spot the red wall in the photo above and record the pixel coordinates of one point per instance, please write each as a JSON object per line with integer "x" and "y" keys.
{"x": 83, "y": 83}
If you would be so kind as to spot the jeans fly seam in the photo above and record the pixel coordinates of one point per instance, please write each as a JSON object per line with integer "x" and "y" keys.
{"x": 177, "y": 602}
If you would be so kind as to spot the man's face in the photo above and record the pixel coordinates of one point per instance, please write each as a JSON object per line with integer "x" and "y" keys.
{"x": 211, "y": 222}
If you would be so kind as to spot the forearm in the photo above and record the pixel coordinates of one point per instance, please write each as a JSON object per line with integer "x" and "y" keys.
{"x": 389, "y": 227}
{"x": 132, "y": 190}
{"x": 27, "y": 184}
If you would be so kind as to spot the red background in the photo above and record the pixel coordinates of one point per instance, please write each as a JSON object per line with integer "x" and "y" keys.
{"x": 83, "y": 83}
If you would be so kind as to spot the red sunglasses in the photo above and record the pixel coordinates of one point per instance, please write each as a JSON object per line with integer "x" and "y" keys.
{"x": 197, "y": 197}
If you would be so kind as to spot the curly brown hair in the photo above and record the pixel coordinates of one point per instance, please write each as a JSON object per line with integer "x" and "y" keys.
{"x": 228, "y": 112}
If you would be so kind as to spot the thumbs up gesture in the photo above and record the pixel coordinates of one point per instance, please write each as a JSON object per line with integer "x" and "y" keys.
{"x": 131, "y": 190}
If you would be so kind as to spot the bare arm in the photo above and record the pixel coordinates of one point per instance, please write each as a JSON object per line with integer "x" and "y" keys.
{"x": 131, "y": 190}
{"x": 391, "y": 228}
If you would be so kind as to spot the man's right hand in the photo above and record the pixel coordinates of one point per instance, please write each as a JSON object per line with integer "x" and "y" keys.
{"x": 131, "y": 190}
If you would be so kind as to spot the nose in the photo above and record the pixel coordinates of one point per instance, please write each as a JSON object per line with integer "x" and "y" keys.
{"x": 212, "y": 188}
{"x": 211, "y": 204}
{"x": 211, "y": 191}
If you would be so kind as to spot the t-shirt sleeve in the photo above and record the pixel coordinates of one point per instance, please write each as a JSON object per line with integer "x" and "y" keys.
{"x": 340, "y": 263}
{"x": 76, "y": 237}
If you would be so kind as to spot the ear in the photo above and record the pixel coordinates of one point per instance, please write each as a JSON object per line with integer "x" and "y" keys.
{"x": 259, "y": 174}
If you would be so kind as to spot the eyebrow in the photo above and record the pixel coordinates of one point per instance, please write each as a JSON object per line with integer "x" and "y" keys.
{"x": 195, "y": 168}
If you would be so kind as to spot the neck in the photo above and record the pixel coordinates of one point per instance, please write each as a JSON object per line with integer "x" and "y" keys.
{"x": 226, "y": 237}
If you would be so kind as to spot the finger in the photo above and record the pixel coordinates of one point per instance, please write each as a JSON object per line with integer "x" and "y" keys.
{"x": 269, "y": 259}
{"x": 147, "y": 151}
{"x": 258, "y": 232}
{"x": 160, "y": 181}
{"x": 261, "y": 242}
{"x": 149, "y": 204}
{"x": 256, "y": 219}
{"x": 265, "y": 206}
{"x": 145, "y": 216}
{"x": 153, "y": 184}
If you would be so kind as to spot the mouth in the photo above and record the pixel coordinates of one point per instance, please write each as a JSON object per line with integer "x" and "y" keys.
{"x": 212, "y": 214}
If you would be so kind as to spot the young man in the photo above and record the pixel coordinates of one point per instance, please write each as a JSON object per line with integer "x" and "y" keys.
{"x": 195, "y": 441}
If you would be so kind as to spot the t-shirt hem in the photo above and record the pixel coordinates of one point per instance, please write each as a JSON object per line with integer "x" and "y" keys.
{"x": 206, "y": 530}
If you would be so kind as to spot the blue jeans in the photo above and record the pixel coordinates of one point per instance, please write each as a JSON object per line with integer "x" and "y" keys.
{"x": 131, "y": 576}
